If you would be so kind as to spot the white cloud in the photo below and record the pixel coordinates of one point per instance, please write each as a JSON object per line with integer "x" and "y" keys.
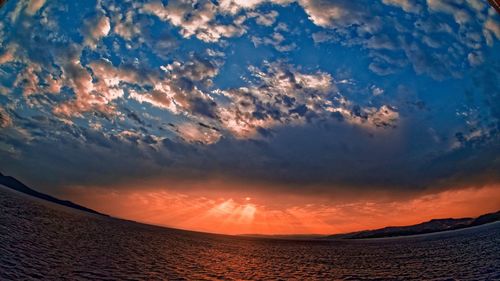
{"x": 88, "y": 97}
{"x": 409, "y": 6}
{"x": 281, "y": 95}
{"x": 446, "y": 6}
{"x": 199, "y": 21}
{"x": 125, "y": 26}
{"x": 34, "y": 6}
{"x": 95, "y": 29}
{"x": 195, "y": 133}
{"x": 333, "y": 14}
{"x": 286, "y": 96}
{"x": 350, "y": 23}
{"x": 266, "y": 19}
{"x": 491, "y": 27}
{"x": 475, "y": 58}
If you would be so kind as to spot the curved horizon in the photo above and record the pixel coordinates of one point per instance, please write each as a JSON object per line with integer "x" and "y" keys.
{"x": 263, "y": 116}
{"x": 14, "y": 184}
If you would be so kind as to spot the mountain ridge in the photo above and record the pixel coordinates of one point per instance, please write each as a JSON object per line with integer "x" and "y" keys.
{"x": 431, "y": 226}
{"x": 15, "y": 184}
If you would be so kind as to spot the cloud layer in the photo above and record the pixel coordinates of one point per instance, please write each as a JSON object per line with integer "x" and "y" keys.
{"x": 299, "y": 97}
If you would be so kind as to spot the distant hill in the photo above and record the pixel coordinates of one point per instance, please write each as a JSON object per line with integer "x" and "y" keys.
{"x": 14, "y": 184}
{"x": 435, "y": 225}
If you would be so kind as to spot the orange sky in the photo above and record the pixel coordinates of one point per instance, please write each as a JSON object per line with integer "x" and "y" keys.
{"x": 239, "y": 213}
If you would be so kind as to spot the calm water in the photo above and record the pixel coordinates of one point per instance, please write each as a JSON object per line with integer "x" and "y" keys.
{"x": 43, "y": 241}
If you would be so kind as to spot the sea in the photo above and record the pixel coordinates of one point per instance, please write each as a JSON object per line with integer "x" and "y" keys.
{"x": 43, "y": 241}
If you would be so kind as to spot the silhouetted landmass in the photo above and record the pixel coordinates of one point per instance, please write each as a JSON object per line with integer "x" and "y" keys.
{"x": 14, "y": 184}
{"x": 435, "y": 225}
{"x": 432, "y": 226}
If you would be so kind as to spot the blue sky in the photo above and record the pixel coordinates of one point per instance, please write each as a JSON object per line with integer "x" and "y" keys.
{"x": 305, "y": 96}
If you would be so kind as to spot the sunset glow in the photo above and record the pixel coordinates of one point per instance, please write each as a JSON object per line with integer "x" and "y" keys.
{"x": 242, "y": 215}
{"x": 264, "y": 116}
{"x": 249, "y": 140}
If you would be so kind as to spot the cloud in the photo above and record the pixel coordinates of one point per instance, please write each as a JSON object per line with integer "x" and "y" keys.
{"x": 181, "y": 90}
{"x": 351, "y": 22}
{"x": 333, "y": 14}
{"x": 106, "y": 73}
{"x": 195, "y": 20}
{"x": 173, "y": 92}
{"x": 235, "y": 6}
{"x": 461, "y": 16}
{"x": 491, "y": 26}
{"x": 34, "y": 6}
{"x": 5, "y": 120}
{"x": 95, "y": 29}
{"x": 125, "y": 26}
{"x": 407, "y": 5}
{"x": 265, "y": 19}
{"x": 281, "y": 96}
{"x": 277, "y": 40}
{"x": 198, "y": 133}
{"x": 7, "y": 55}
{"x": 285, "y": 96}
{"x": 87, "y": 97}
{"x": 475, "y": 58}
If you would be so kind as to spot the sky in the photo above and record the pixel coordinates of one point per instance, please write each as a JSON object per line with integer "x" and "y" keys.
{"x": 258, "y": 116}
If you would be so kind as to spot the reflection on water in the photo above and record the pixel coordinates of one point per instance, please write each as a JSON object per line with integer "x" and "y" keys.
{"x": 38, "y": 240}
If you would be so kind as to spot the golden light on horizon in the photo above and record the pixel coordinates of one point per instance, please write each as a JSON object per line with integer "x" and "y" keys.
{"x": 230, "y": 215}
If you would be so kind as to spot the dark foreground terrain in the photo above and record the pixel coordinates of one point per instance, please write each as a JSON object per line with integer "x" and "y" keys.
{"x": 41, "y": 240}
{"x": 17, "y": 185}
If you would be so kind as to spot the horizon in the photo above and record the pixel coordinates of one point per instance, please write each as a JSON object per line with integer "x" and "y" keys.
{"x": 231, "y": 216}
{"x": 429, "y": 217}
{"x": 270, "y": 117}
{"x": 271, "y": 235}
